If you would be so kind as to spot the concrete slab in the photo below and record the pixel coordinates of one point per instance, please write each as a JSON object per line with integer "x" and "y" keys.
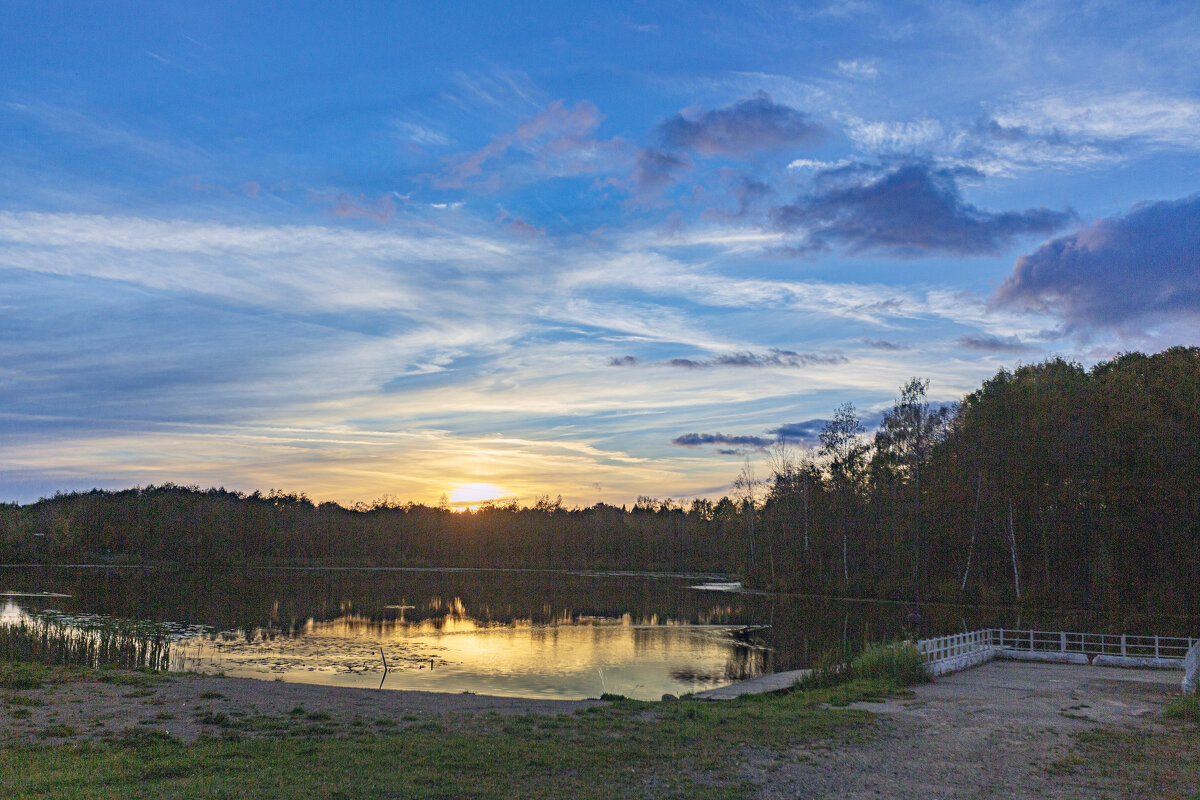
{"x": 766, "y": 683}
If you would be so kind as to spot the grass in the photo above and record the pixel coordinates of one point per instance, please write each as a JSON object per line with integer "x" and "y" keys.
{"x": 20, "y": 675}
{"x": 688, "y": 748}
{"x": 887, "y": 666}
{"x": 626, "y": 748}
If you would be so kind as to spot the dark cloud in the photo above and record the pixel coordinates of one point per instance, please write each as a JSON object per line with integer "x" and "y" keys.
{"x": 910, "y": 211}
{"x": 992, "y": 344}
{"x": 799, "y": 432}
{"x": 772, "y": 358}
{"x": 750, "y": 125}
{"x": 750, "y": 193}
{"x": 883, "y": 344}
{"x": 623, "y": 361}
{"x": 1140, "y": 266}
{"x": 701, "y": 439}
{"x": 657, "y": 169}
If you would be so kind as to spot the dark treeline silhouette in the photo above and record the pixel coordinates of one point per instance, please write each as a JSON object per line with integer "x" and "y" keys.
{"x": 1049, "y": 485}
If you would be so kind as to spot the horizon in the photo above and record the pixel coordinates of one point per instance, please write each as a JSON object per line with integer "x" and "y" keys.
{"x": 557, "y": 249}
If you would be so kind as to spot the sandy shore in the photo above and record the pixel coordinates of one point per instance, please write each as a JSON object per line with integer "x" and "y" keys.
{"x": 188, "y": 706}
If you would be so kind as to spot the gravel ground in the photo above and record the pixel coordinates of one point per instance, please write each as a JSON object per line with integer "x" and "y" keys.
{"x": 993, "y": 731}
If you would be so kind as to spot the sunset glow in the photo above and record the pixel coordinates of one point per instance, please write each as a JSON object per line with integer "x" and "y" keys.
{"x": 471, "y": 495}
{"x": 597, "y": 251}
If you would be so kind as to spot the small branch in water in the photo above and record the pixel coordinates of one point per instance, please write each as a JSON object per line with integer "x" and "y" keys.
{"x": 385, "y": 668}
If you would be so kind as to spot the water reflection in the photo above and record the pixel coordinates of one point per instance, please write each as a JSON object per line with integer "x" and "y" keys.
{"x": 573, "y": 657}
{"x": 543, "y": 634}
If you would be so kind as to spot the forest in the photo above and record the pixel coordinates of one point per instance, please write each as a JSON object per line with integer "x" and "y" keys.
{"x": 1049, "y": 485}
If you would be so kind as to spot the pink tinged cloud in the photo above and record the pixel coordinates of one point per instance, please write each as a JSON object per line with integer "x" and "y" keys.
{"x": 380, "y": 209}
{"x": 554, "y": 132}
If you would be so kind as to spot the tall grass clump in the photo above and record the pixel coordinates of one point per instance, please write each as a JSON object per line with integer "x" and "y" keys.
{"x": 111, "y": 644}
{"x": 900, "y": 664}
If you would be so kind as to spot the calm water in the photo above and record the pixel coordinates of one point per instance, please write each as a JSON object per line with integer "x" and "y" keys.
{"x": 528, "y": 634}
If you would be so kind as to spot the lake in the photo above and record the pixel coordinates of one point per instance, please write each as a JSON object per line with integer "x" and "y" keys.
{"x": 547, "y": 634}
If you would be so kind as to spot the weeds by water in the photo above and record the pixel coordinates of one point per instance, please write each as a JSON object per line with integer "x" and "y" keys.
{"x": 113, "y": 644}
{"x": 894, "y": 665}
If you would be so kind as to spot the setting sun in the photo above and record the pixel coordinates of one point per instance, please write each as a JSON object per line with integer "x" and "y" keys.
{"x": 469, "y": 495}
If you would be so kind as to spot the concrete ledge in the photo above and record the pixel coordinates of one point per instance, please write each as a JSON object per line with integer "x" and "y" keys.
{"x": 961, "y": 662}
{"x": 1191, "y": 669}
{"x": 1047, "y": 656}
{"x": 1138, "y": 662}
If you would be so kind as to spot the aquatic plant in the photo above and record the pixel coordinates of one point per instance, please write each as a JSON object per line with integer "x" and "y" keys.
{"x": 46, "y": 640}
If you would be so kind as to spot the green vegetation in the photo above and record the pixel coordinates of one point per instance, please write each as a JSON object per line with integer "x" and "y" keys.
{"x": 1185, "y": 707}
{"x": 19, "y": 675}
{"x": 879, "y": 670}
{"x": 1050, "y": 484}
{"x": 689, "y": 748}
{"x": 1142, "y": 763}
{"x": 113, "y": 644}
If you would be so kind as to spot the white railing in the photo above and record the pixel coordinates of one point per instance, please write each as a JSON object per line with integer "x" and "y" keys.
{"x": 961, "y": 650}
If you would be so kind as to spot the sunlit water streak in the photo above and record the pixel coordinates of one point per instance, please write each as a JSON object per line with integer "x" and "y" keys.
{"x": 569, "y": 659}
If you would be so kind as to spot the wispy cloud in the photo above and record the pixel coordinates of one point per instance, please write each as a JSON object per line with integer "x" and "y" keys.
{"x": 854, "y": 68}
{"x": 556, "y": 141}
{"x": 772, "y": 358}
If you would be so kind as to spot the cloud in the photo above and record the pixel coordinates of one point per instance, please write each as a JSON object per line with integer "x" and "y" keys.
{"x": 750, "y": 194}
{"x": 806, "y": 432}
{"x": 858, "y": 69}
{"x": 894, "y": 137}
{"x": 701, "y": 439}
{"x": 992, "y": 344}
{"x": 380, "y": 209}
{"x": 750, "y": 125}
{"x": 657, "y": 169}
{"x": 623, "y": 361}
{"x": 557, "y": 141}
{"x": 883, "y": 344}
{"x": 1139, "y": 267}
{"x": 910, "y": 211}
{"x": 518, "y": 225}
{"x": 773, "y": 358}
{"x": 1135, "y": 115}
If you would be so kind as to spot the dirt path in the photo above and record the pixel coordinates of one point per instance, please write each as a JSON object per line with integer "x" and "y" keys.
{"x": 998, "y": 730}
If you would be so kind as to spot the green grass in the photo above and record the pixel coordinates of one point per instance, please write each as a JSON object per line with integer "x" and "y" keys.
{"x": 889, "y": 667}
{"x": 21, "y": 675}
{"x": 623, "y": 748}
{"x": 1185, "y": 707}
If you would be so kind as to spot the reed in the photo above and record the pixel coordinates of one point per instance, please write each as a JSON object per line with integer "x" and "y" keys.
{"x": 112, "y": 644}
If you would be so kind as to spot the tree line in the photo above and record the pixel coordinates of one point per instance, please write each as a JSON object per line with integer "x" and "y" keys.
{"x": 1048, "y": 485}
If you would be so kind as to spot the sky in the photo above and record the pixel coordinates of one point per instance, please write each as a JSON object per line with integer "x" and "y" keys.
{"x": 591, "y": 250}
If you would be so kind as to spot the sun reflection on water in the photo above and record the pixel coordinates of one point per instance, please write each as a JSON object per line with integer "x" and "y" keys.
{"x": 572, "y": 657}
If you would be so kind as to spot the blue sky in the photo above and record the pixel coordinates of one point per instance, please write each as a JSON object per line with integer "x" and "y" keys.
{"x": 507, "y": 250}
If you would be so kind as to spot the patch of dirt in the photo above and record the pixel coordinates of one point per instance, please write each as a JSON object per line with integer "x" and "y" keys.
{"x": 1004, "y": 729}
{"x": 189, "y": 706}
